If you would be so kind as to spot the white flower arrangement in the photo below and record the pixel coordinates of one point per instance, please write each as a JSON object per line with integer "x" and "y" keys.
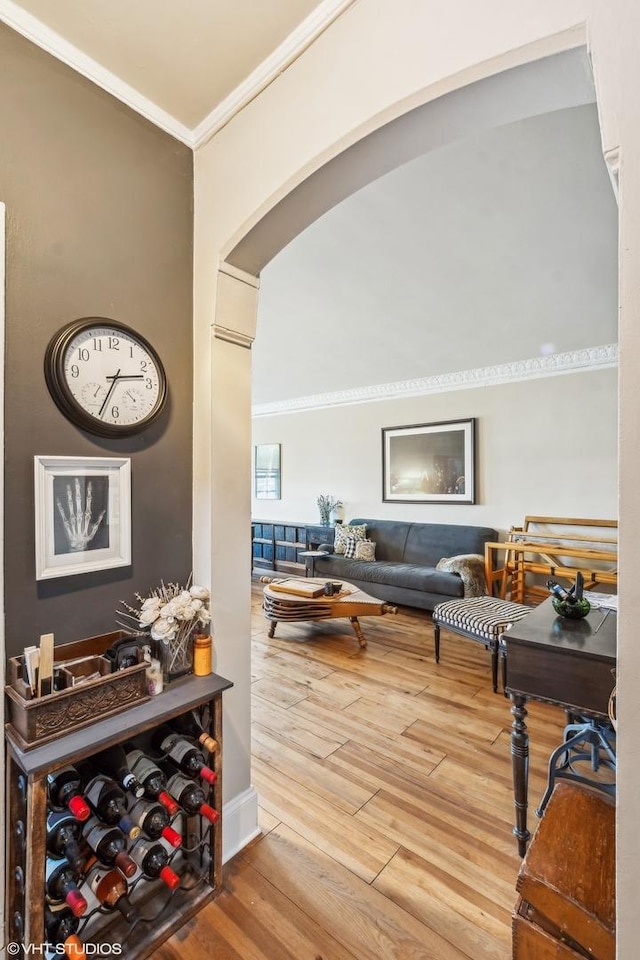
{"x": 170, "y": 613}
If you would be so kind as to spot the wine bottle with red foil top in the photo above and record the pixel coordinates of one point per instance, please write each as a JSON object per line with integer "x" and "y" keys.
{"x": 106, "y": 799}
{"x": 61, "y": 884}
{"x": 182, "y": 754}
{"x": 63, "y": 837}
{"x": 188, "y": 724}
{"x": 113, "y": 762}
{"x": 191, "y": 798}
{"x": 153, "y": 860}
{"x": 152, "y": 779}
{"x": 109, "y": 844}
{"x": 153, "y": 819}
{"x": 64, "y": 792}
{"x": 110, "y": 889}
{"x": 61, "y": 927}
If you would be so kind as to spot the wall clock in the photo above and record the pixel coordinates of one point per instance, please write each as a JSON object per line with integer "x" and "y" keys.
{"x": 105, "y": 377}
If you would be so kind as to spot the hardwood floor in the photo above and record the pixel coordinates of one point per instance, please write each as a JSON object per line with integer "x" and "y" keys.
{"x": 384, "y": 782}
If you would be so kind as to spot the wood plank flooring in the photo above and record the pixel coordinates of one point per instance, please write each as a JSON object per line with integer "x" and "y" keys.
{"x": 384, "y": 783}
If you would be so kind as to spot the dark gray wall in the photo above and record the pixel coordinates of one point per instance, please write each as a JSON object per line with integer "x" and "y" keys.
{"x": 99, "y": 223}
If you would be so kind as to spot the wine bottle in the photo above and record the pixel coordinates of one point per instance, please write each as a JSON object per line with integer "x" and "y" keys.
{"x": 64, "y": 791}
{"x": 110, "y": 889}
{"x": 153, "y": 860}
{"x": 113, "y": 762}
{"x": 191, "y": 797}
{"x": 153, "y": 820}
{"x": 60, "y": 923}
{"x": 106, "y": 799}
{"x": 182, "y": 754}
{"x": 63, "y": 836}
{"x": 152, "y": 779}
{"x": 109, "y": 844}
{"x": 558, "y": 591}
{"x": 188, "y": 724}
{"x": 61, "y": 883}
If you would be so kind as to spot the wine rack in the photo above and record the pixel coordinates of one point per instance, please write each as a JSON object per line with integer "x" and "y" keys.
{"x": 198, "y": 862}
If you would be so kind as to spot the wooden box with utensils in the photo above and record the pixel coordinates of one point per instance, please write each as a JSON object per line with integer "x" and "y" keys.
{"x": 36, "y": 720}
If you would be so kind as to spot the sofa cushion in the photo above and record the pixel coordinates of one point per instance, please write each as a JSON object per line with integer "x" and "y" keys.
{"x": 344, "y": 530}
{"x": 408, "y": 575}
{"x": 424, "y": 543}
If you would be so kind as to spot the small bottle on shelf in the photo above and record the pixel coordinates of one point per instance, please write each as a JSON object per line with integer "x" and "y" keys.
{"x": 189, "y": 725}
{"x": 113, "y": 762}
{"x": 110, "y": 889}
{"x": 64, "y": 792}
{"x": 63, "y": 837}
{"x": 191, "y": 798}
{"x": 153, "y": 860}
{"x": 202, "y": 655}
{"x": 153, "y": 820}
{"x": 61, "y": 884}
{"x": 106, "y": 799}
{"x": 182, "y": 753}
{"x": 109, "y": 844}
{"x": 152, "y": 779}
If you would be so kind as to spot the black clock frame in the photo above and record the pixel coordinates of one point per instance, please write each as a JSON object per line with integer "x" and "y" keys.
{"x": 64, "y": 399}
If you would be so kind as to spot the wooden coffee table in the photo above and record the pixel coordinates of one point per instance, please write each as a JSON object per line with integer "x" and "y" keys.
{"x": 349, "y": 602}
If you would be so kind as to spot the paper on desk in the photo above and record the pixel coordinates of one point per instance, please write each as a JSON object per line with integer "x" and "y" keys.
{"x": 606, "y": 601}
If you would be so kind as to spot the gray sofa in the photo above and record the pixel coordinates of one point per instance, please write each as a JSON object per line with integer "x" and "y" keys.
{"x": 407, "y": 555}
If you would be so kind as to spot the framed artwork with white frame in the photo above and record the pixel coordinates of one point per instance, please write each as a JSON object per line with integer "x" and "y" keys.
{"x": 82, "y": 514}
{"x": 429, "y": 463}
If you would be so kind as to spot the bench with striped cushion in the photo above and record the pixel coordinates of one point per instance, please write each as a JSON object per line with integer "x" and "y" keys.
{"x": 483, "y": 619}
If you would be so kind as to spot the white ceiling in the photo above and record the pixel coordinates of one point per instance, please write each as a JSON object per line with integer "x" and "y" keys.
{"x": 185, "y": 64}
{"x": 499, "y": 247}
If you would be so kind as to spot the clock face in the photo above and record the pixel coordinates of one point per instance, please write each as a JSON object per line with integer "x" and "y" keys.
{"x": 105, "y": 377}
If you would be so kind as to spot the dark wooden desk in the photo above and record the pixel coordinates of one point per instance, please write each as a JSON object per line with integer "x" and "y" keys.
{"x": 566, "y": 662}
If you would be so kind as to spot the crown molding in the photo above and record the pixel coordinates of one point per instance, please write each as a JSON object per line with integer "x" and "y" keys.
{"x": 288, "y": 51}
{"x": 573, "y": 361}
{"x": 37, "y": 32}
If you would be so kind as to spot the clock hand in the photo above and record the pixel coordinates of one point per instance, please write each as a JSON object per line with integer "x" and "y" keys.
{"x": 114, "y": 379}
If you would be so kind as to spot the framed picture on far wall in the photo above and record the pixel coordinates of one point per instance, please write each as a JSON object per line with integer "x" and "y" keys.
{"x": 82, "y": 513}
{"x": 267, "y": 471}
{"x": 429, "y": 463}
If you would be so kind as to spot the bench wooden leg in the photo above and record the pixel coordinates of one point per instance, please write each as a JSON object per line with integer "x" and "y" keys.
{"x": 436, "y": 641}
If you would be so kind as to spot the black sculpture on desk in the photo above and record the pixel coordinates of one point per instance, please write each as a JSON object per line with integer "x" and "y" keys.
{"x": 571, "y": 603}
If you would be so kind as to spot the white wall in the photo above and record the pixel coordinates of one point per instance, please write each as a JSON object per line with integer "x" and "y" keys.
{"x": 544, "y": 447}
{"x": 374, "y": 63}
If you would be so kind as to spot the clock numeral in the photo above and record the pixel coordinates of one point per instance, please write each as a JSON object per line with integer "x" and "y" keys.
{"x": 75, "y": 370}
{"x": 115, "y": 413}
{"x": 97, "y": 344}
{"x": 114, "y": 343}
{"x": 83, "y": 353}
{"x": 149, "y": 383}
{"x": 143, "y": 366}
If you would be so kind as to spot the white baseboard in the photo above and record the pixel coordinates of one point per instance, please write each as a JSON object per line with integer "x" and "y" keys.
{"x": 240, "y": 823}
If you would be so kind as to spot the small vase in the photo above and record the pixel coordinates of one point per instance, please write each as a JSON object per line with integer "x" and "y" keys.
{"x": 176, "y": 655}
{"x": 571, "y": 611}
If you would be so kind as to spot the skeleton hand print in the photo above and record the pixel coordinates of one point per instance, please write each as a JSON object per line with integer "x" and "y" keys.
{"x": 79, "y": 526}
